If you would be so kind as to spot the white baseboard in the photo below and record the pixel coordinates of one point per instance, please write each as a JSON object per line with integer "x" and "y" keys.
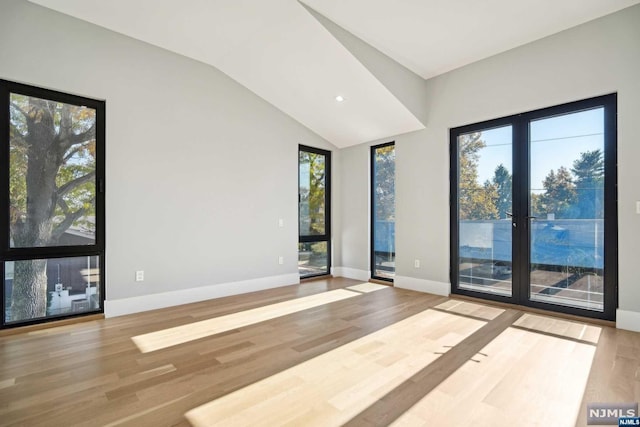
{"x": 422, "y": 285}
{"x": 627, "y": 319}
{"x": 351, "y": 273}
{"x": 119, "y": 307}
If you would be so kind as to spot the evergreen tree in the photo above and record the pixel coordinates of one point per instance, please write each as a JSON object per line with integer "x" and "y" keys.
{"x": 502, "y": 181}
{"x": 589, "y": 181}
{"x": 560, "y": 193}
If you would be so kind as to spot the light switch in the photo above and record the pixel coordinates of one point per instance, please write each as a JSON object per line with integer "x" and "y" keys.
{"x": 638, "y": 207}
{"x": 280, "y": 222}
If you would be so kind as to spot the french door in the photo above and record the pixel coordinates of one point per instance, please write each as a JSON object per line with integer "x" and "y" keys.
{"x": 534, "y": 211}
{"x": 314, "y": 211}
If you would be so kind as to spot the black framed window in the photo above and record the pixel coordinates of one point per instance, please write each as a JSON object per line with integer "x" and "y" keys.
{"x": 52, "y": 173}
{"x": 534, "y": 208}
{"x": 314, "y": 211}
{"x": 383, "y": 211}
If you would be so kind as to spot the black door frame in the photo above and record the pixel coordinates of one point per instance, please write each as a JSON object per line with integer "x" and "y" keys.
{"x": 521, "y": 215}
{"x": 326, "y": 237}
{"x": 372, "y": 208}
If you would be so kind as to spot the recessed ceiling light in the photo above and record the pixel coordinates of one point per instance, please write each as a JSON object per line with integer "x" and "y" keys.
{"x": 339, "y": 98}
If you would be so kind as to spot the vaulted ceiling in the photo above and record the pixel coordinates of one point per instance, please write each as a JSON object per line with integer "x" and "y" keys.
{"x": 293, "y": 55}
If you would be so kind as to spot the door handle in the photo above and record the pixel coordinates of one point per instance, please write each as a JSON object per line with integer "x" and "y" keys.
{"x": 530, "y": 217}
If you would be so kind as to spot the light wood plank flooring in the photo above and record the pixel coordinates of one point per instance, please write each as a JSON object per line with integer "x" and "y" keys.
{"x": 382, "y": 356}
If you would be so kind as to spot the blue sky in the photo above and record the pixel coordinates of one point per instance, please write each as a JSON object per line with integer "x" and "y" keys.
{"x": 555, "y": 142}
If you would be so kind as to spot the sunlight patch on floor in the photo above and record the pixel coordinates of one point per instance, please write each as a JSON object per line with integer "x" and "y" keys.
{"x": 332, "y": 388}
{"x": 535, "y": 378}
{"x": 368, "y": 287}
{"x": 470, "y": 309}
{"x": 181, "y": 334}
{"x": 560, "y": 327}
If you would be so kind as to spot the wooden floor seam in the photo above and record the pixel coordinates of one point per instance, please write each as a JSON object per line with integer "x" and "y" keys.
{"x": 385, "y": 356}
{"x": 402, "y": 398}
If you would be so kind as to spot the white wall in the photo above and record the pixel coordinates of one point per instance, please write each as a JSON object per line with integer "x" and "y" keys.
{"x": 351, "y": 213}
{"x": 199, "y": 169}
{"x": 596, "y": 58}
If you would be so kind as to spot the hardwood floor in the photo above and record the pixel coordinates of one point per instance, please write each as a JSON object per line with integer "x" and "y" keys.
{"x": 308, "y": 355}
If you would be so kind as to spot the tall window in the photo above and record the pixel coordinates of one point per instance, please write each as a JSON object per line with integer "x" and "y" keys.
{"x": 383, "y": 211}
{"x": 533, "y": 212}
{"x": 52, "y": 219}
{"x": 314, "y": 211}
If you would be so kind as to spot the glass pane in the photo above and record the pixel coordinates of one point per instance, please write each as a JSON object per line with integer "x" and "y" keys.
{"x": 384, "y": 207}
{"x": 567, "y": 197}
{"x": 484, "y": 204}
{"x": 42, "y": 288}
{"x": 313, "y": 258}
{"x": 52, "y": 173}
{"x": 312, "y": 194}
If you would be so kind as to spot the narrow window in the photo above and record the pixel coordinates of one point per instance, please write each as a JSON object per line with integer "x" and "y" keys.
{"x": 314, "y": 211}
{"x": 383, "y": 211}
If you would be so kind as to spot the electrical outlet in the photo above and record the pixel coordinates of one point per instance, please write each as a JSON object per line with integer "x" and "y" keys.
{"x": 416, "y": 263}
{"x": 139, "y": 275}
{"x": 280, "y": 260}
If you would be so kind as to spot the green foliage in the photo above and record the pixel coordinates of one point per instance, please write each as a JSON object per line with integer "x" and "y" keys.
{"x": 52, "y": 187}
{"x": 475, "y": 202}
{"x": 537, "y": 207}
{"x": 312, "y": 194}
{"x": 575, "y": 193}
{"x": 18, "y": 170}
{"x": 502, "y": 181}
{"x": 384, "y": 183}
{"x": 588, "y": 170}
{"x": 50, "y": 141}
{"x": 560, "y": 194}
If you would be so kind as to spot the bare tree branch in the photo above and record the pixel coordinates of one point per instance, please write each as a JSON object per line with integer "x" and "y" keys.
{"x": 20, "y": 110}
{"x": 17, "y": 139}
{"x": 73, "y": 139}
{"x": 63, "y": 205}
{"x": 64, "y": 189}
{"x": 52, "y": 107}
{"x": 68, "y": 222}
{"x": 71, "y": 153}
